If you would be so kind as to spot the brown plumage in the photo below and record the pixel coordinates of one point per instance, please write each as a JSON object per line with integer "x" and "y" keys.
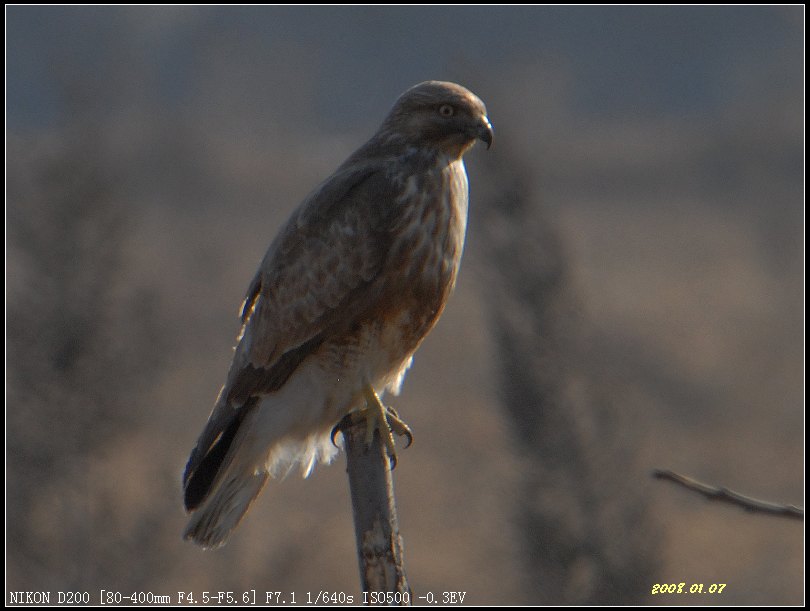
{"x": 344, "y": 296}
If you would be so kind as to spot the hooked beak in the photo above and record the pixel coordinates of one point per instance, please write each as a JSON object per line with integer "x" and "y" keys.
{"x": 484, "y": 132}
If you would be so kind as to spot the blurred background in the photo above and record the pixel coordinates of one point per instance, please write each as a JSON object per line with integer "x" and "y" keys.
{"x": 631, "y": 297}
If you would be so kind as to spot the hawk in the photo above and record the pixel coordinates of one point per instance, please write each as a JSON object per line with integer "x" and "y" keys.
{"x": 346, "y": 293}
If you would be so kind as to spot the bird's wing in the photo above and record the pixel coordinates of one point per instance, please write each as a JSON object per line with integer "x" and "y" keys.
{"x": 333, "y": 246}
{"x": 315, "y": 281}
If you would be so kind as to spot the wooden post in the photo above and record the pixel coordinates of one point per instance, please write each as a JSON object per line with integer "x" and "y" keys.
{"x": 379, "y": 544}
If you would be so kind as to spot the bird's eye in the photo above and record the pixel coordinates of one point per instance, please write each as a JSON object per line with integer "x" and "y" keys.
{"x": 446, "y": 110}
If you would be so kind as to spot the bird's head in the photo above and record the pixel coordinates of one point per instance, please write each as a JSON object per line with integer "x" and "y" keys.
{"x": 441, "y": 115}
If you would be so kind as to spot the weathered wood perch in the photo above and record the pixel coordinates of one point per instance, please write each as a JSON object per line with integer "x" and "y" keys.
{"x": 379, "y": 544}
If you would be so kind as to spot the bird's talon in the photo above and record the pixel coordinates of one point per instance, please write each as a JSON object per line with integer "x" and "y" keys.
{"x": 338, "y": 428}
{"x": 409, "y": 435}
{"x": 397, "y": 426}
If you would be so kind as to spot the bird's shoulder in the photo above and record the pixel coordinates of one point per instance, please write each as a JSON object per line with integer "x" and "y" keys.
{"x": 343, "y": 226}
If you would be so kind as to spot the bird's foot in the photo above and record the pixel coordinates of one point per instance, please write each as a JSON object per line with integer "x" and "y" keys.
{"x": 380, "y": 418}
{"x": 386, "y": 420}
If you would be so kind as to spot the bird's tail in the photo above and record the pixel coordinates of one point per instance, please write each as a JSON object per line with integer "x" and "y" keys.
{"x": 261, "y": 445}
{"x": 220, "y": 487}
{"x": 212, "y": 523}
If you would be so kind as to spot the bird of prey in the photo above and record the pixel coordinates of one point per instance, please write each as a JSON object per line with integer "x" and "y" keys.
{"x": 346, "y": 293}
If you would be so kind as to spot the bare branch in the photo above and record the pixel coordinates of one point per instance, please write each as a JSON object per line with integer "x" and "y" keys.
{"x": 714, "y": 493}
{"x": 379, "y": 545}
